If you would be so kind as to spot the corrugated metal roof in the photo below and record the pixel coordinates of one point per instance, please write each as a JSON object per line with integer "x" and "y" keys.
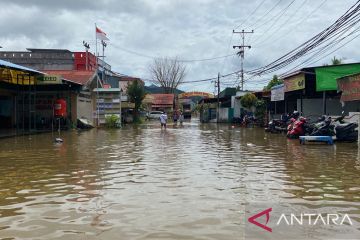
{"x": 106, "y": 89}
{"x": 18, "y": 67}
{"x": 163, "y": 99}
{"x": 77, "y": 76}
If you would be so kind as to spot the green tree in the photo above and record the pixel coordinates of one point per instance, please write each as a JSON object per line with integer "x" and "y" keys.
{"x": 136, "y": 94}
{"x": 248, "y": 100}
{"x": 260, "y": 110}
{"x": 274, "y": 81}
{"x": 336, "y": 61}
{"x": 112, "y": 121}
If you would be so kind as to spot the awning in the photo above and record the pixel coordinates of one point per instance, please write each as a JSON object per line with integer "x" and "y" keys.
{"x": 16, "y": 74}
{"x": 326, "y": 76}
{"x": 18, "y": 67}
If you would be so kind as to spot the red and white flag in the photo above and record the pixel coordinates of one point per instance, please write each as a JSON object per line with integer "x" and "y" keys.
{"x": 101, "y": 35}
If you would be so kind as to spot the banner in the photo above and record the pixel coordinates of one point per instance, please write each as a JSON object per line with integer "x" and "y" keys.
{"x": 277, "y": 93}
{"x": 195, "y": 94}
{"x": 326, "y": 76}
{"x": 350, "y": 87}
{"x": 295, "y": 82}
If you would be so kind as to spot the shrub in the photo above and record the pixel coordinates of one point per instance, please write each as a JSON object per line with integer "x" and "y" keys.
{"x": 112, "y": 121}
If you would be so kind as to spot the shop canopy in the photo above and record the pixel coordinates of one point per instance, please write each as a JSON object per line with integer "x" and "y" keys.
{"x": 16, "y": 74}
{"x": 326, "y": 76}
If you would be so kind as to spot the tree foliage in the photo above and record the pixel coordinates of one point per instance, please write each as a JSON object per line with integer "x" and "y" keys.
{"x": 248, "y": 100}
{"x": 112, "y": 121}
{"x": 274, "y": 81}
{"x": 168, "y": 73}
{"x": 136, "y": 94}
{"x": 336, "y": 61}
{"x": 260, "y": 109}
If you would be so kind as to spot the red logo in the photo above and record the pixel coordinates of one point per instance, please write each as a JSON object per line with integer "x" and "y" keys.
{"x": 267, "y": 212}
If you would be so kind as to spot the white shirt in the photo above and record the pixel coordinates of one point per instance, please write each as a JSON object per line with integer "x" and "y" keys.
{"x": 163, "y": 118}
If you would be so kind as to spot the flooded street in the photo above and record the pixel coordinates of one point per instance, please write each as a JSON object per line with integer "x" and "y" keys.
{"x": 189, "y": 182}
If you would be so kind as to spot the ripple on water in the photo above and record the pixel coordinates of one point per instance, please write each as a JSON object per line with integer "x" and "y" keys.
{"x": 187, "y": 182}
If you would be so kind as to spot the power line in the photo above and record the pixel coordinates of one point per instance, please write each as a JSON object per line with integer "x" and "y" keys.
{"x": 267, "y": 37}
{"x": 351, "y": 17}
{"x": 179, "y": 60}
{"x": 296, "y": 24}
{"x": 259, "y": 19}
{"x": 251, "y": 14}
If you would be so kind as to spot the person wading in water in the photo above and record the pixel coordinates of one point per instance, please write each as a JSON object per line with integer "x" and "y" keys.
{"x": 163, "y": 119}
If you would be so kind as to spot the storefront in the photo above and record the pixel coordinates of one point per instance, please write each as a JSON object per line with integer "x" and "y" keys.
{"x": 27, "y": 100}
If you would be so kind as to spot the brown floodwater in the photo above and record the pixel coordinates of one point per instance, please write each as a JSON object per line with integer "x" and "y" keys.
{"x": 196, "y": 181}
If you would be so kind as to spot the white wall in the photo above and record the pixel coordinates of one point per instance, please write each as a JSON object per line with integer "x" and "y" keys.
{"x": 85, "y": 106}
{"x": 236, "y": 105}
{"x": 224, "y": 114}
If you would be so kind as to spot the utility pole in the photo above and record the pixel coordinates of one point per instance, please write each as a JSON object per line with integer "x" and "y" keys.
{"x": 87, "y": 47}
{"x": 241, "y": 53}
{"x": 104, "y": 44}
{"x": 218, "y": 99}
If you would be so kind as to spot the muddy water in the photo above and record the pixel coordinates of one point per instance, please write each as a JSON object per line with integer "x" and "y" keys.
{"x": 190, "y": 182}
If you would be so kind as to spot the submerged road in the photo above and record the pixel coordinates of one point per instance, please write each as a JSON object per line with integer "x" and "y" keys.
{"x": 196, "y": 181}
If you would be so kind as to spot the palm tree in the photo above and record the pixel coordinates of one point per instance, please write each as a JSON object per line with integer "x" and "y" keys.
{"x": 336, "y": 61}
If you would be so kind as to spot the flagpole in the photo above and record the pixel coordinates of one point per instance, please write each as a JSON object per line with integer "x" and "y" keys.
{"x": 97, "y": 79}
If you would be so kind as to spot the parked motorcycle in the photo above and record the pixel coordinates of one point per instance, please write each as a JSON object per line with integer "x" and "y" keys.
{"x": 344, "y": 131}
{"x": 324, "y": 127}
{"x": 296, "y": 128}
{"x": 281, "y": 125}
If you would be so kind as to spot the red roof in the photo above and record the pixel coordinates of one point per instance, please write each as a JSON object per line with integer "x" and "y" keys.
{"x": 163, "y": 99}
{"x": 130, "y": 79}
{"x": 81, "y": 77}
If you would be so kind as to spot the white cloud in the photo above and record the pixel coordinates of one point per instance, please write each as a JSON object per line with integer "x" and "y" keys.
{"x": 189, "y": 29}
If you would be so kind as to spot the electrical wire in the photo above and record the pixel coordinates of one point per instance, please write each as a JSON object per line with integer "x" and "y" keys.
{"x": 296, "y": 25}
{"x": 251, "y": 14}
{"x": 266, "y": 38}
{"x": 177, "y": 59}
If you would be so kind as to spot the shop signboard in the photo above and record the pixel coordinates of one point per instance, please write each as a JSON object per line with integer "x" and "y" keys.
{"x": 295, "y": 82}
{"x": 48, "y": 79}
{"x": 277, "y": 93}
{"x": 105, "y": 105}
{"x": 195, "y": 94}
{"x": 350, "y": 87}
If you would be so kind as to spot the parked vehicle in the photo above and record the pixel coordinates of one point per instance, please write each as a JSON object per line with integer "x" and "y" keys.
{"x": 281, "y": 125}
{"x": 154, "y": 115}
{"x": 296, "y": 129}
{"x": 324, "y": 127}
{"x": 345, "y": 131}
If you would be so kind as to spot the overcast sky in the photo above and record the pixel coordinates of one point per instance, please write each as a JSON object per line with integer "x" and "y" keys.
{"x": 187, "y": 29}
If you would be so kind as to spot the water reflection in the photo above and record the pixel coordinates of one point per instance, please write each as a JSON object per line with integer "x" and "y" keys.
{"x": 186, "y": 182}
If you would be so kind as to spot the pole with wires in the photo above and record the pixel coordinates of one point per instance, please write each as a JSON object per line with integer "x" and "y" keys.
{"x": 218, "y": 99}
{"x": 97, "y": 79}
{"x": 241, "y": 54}
{"x": 104, "y": 44}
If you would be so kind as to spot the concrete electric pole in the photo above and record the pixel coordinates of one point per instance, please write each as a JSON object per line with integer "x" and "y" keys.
{"x": 218, "y": 99}
{"x": 87, "y": 47}
{"x": 241, "y": 53}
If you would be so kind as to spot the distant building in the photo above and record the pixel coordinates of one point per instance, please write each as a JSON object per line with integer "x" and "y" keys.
{"x": 160, "y": 102}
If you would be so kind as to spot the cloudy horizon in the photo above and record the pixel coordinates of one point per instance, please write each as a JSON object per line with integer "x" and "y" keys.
{"x": 189, "y": 30}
